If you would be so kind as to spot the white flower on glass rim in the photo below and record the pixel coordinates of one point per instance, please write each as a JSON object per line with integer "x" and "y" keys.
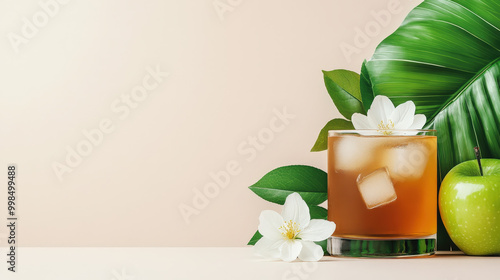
{"x": 292, "y": 234}
{"x": 383, "y": 117}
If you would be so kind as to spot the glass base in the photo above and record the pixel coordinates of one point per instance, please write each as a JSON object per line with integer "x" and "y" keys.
{"x": 387, "y": 248}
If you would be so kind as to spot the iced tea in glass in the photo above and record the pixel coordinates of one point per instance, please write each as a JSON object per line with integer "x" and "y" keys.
{"x": 382, "y": 193}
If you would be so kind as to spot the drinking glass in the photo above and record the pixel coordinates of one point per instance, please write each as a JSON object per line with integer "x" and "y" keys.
{"x": 382, "y": 192}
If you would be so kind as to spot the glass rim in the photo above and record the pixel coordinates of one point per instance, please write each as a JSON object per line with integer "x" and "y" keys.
{"x": 377, "y": 132}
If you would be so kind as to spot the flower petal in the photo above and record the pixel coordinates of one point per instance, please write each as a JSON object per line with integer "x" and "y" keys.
{"x": 403, "y": 115}
{"x": 360, "y": 121}
{"x": 290, "y": 250}
{"x": 418, "y": 122}
{"x": 270, "y": 222}
{"x": 269, "y": 248}
{"x": 296, "y": 210}
{"x": 311, "y": 252}
{"x": 318, "y": 230}
{"x": 381, "y": 109}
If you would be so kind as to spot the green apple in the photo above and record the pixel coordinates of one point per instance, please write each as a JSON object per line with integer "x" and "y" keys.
{"x": 470, "y": 206}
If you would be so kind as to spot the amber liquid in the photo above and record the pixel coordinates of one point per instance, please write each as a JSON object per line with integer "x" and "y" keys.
{"x": 412, "y": 215}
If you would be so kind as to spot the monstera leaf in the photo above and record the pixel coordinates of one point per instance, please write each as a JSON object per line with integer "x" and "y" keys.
{"x": 446, "y": 58}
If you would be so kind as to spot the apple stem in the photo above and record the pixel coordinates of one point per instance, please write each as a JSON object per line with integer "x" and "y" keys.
{"x": 478, "y": 157}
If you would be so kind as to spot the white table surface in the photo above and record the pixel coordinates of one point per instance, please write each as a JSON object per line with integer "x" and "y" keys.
{"x": 231, "y": 263}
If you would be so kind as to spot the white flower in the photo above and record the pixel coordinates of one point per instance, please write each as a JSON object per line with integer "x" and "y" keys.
{"x": 291, "y": 234}
{"x": 383, "y": 117}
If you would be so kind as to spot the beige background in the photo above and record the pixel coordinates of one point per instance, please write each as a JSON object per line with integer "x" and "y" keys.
{"x": 229, "y": 73}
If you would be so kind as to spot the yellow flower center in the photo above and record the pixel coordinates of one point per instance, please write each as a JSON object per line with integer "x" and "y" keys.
{"x": 290, "y": 229}
{"x": 386, "y": 128}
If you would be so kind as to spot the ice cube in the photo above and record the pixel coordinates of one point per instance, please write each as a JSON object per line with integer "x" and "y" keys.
{"x": 406, "y": 161}
{"x": 353, "y": 153}
{"x": 376, "y": 188}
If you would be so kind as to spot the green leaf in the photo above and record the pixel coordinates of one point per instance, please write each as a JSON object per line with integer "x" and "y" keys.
{"x": 445, "y": 58}
{"x": 322, "y": 141}
{"x": 256, "y": 237}
{"x": 317, "y": 212}
{"x": 471, "y": 119}
{"x": 366, "y": 87}
{"x": 343, "y": 86}
{"x": 308, "y": 181}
